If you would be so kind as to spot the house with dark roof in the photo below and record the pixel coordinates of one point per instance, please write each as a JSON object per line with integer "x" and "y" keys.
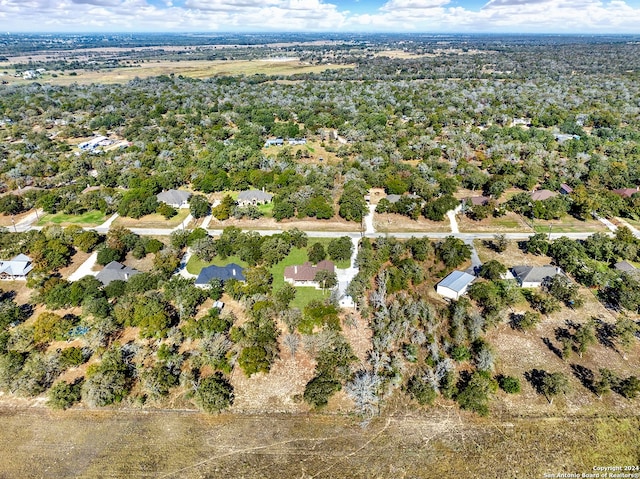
{"x": 223, "y": 273}
{"x": 565, "y": 189}
{"x": 626, "y": 192}
{"x": 254, "y": 197}
{"x": 534, "y": 276}
{"x": 455, "y": 284}
{"x": 115, "y": 271}
{"x": 305, "y": 274}
{"x": 175, "y": 198}
{"x": 542, "y": 195}
{"x": 16, "y": 269}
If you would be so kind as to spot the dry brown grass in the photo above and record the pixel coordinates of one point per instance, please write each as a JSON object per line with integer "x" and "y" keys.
{"x": 193, "y": 69}
{"x": 435, "y": 444}
{"x": 391, "y": 222}
{"x": 334, "y": 224}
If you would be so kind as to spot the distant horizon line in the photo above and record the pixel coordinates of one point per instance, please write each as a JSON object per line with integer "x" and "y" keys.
{"x": 327, "y": 32}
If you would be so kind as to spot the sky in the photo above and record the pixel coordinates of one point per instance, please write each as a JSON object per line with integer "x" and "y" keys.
{"x": 429, "y": 16}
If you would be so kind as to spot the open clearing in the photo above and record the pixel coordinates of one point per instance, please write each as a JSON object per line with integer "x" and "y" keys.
{"x": 90, "y": 218}
{"x": 192, "y": 69}
{"x": 442, "y": 443}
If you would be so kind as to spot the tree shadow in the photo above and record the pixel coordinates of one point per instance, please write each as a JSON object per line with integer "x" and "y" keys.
{"x": 552, "y": 347}
{"x": 584, "y": 375}
{"x": 515, "y": 321}
{"x": 5, "y": 295}
{"x": 536, "y": 377}
{"x": 605, "y": 333}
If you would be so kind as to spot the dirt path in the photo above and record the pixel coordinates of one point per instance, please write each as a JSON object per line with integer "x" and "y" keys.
{"x": 181, "y": 444}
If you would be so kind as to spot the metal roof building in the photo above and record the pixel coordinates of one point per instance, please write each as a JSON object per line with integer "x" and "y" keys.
{"x": 455, "y": 285}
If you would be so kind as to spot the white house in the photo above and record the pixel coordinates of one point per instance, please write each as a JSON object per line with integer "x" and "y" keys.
{"x": 455, "y": 285}
{"x": 175, "y": 198}
{"x": 534, "y": 276}
{"x": 16, "y": 269}
{"x": 254, "y": 197}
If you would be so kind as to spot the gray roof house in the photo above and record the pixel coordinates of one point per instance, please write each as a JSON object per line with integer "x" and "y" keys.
{"x": 223, "y": 273}
{"x": 175, "y": 198}
{"x": 16, "y": 268}
{"x": 115, "y": 271}
{"x": 534, "y": 276}
{"x": 455, "y": 284}
{"x": 254, "y": 197}
{"x": 625, "y": 266}
{"x": 542, "y": 195}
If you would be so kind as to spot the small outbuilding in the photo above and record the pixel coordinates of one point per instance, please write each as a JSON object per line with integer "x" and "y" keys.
{"x": 455, "y": 284}
{"x": 625, "y": 266}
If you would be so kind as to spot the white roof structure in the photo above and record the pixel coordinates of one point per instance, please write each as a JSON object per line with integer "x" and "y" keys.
{"x": 17, "y": 267}
{"x": 455, "y": 284}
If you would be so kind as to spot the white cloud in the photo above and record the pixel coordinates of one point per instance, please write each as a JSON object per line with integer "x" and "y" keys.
{"x": 317, "y": 15}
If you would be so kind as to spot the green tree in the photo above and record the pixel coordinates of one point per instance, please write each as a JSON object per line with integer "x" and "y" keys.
{"x": 340, "y": 249}
{"x": 316, "y": 253}
{"x": 224, "y": 210}
{"x": 199, "y": 206}
{"x": 214, "y": 393}
{"x": 64, "y": 395}
{"x": 474, "y": 395}
{"x": 453, "y": 251}
{"x": 554, "y": 384}
{"x": 492, "y": 270}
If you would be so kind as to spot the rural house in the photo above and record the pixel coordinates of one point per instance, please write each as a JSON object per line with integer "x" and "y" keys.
{"x": 16, "y": 268}
{"x": 175, "y": 198}
{"x": 254, "y": 197}
{"x": 115, "y": 271}
{"x": 305, "y": 274}
{"x": 534, "y": 276}
{"x": 542, "y": 195}
{"x": 223, "y": 273}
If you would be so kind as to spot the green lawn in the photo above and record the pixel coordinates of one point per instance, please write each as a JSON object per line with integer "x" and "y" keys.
{"x": 568, "y": 224}
{"x": 303, "y": 295}
{"x": 325, "y": 242}
{"x": 296, "y": 256}
{"x": 90, "y": 218}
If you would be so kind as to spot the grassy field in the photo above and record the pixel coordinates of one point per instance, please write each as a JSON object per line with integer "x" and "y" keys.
{"x": 90, "y": 218}
{"x": 192, "y": 69}
{"x": 424, "y": 444}
{"x": 508, "y": 223}
{"x": 568, "y": 224}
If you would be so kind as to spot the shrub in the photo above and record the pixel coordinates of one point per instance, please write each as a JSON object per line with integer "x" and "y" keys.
{"x": 509, "y": 384}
